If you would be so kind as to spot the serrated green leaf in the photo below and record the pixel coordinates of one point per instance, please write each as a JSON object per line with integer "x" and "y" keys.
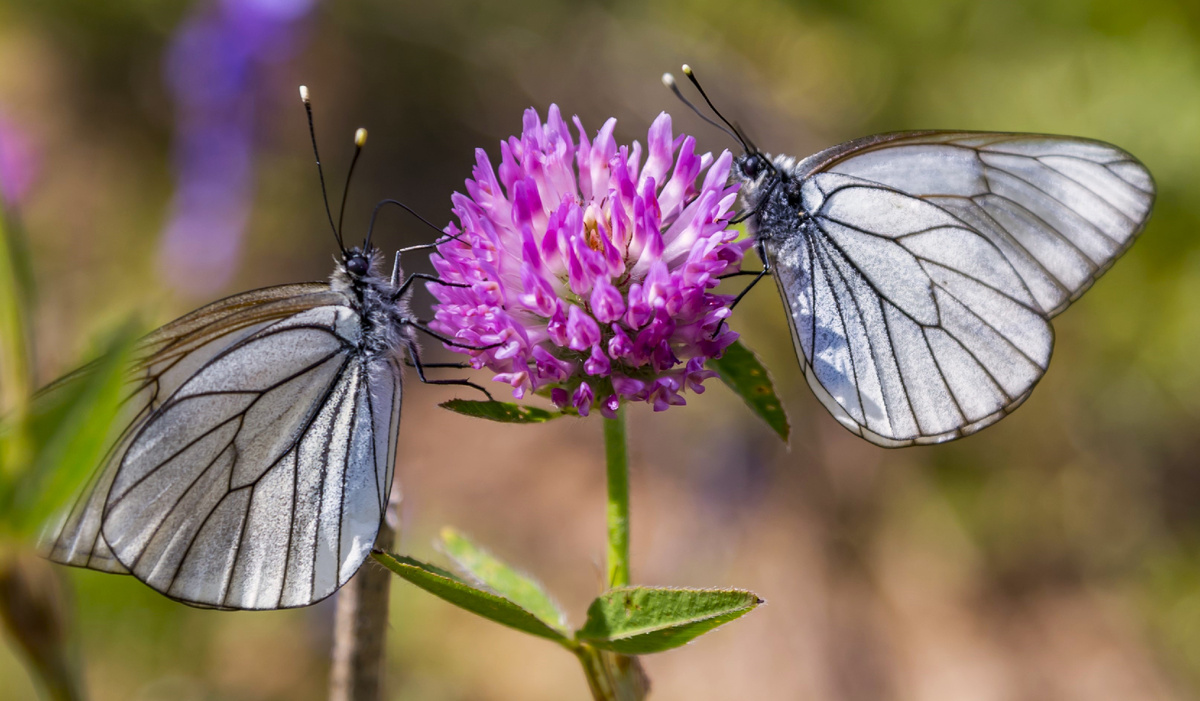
{"x": 503, "y": 579}
{"x": 504, "y": 412}
{"x": 741, "y": 369}
{"x": 448, "y": 587}
{"x": 642, "y": 620}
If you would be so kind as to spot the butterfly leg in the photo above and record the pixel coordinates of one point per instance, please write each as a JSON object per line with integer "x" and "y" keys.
{"x": 415, "y": 356}
{"x": 403, "y": 287}
{"x": 455, "y": 366}
{"x": 759, "y": 275}
{"x": 424, "y": 328}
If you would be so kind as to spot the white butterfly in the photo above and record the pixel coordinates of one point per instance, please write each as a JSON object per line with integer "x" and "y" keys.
{"x": 257, "y": 462}
{"x": 920, "y": 270}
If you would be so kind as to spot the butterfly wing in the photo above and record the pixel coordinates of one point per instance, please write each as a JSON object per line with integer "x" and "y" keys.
{"x": 929, "y": 264}
{"x": 163, "y": 360}
{"x": 259, "y": 483}
{"x": 255, "y": 472}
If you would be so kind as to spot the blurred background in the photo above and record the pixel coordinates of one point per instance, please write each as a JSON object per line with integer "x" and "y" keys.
{"x": 156, "y": 153}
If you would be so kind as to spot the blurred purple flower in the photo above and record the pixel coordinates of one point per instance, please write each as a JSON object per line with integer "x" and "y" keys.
{"x": 212, "y": 67}
{"x": 18, "y": 164}
{"x": 591, "y": 271}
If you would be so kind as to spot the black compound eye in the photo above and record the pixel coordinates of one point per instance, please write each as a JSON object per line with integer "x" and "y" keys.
{"x": 357, "y": 265}
{"x": 753, "y": 165}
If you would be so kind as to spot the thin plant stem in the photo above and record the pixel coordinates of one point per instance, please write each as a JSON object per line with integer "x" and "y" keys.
{"x": 614, "y": 677}
{"x": 361, "y": 624}
{"x": 617, "y": 458}
{"x": 33, "y": 611}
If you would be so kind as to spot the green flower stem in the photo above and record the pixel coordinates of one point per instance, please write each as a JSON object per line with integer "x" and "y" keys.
{"x": 614, "y": 677}
{"x": 618, "y": 500}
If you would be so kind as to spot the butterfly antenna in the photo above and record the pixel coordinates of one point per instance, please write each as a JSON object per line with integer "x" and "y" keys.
{"x": 669, "y": 81}
{"x": 410, "y": 210}
{"x": 687, "y": 70}
{"x": 745, "y": 139}
{"x": 360, "y": 140}
{"x": 312, "y": 132}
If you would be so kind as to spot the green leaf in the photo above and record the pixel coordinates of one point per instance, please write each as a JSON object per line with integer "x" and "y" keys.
{"x": 503, "y": 412}
{"x": 741, "y": 369}
{"x": 502, "y": 579}
{"x": 16, "y": 376}
{"x": 15, "y": 293}
{"x": 448, "y": 587}
{"x": 68, "y": 429}
{"x": 641, "y": 620}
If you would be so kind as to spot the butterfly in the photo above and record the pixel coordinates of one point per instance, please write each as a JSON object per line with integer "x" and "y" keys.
{"x": 256, "y": 463}
{"x": 920, "y": 270}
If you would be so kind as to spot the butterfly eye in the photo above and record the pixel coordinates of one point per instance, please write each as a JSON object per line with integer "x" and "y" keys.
{"x": 357, "y": 265}
{"x": 753, "y": 165}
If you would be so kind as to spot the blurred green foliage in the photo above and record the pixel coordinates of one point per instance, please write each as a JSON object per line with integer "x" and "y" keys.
{"x": 1058, "y": 549}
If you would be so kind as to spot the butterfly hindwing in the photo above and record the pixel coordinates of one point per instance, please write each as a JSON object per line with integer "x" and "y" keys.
{"x": 920, "y": 283}
{"x": 258, "y": 483}
{"x": 251, "y": 415}
{"x": 164, "y": 360}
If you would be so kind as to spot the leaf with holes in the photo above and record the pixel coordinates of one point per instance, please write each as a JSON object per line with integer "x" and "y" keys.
{"x": 741, "y": 369}
{"x": 504, "y": 412}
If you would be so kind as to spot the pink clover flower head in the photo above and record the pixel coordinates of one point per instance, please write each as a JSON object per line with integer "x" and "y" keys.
{"x": 588, "y": 268}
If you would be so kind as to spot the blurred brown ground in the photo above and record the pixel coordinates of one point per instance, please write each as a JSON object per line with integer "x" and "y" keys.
{"x": 1054, "y": 556}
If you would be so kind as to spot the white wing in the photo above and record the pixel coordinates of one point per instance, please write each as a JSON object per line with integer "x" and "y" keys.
{"x": 259, "y": 478}
{"x": 165, "y": 359}
{"x": 1060, "y": 209}
{"x": 920, "y": 319}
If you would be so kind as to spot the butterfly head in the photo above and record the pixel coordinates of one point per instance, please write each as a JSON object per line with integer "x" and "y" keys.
{"x": 357, "y": 263}
{"x": 758, "y": 174}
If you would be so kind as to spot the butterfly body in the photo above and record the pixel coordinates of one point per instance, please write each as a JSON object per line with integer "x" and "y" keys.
{"x": 920, "y": 270}
{"x": 257, "y": 461}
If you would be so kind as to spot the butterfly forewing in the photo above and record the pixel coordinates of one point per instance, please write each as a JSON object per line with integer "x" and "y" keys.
{"x": 928, "y": 264}
{"x": 1061, "y": 209}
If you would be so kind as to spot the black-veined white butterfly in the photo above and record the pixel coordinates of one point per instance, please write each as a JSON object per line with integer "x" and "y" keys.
{"x": 257, "y": 461}
{"x": 920, "y": 270}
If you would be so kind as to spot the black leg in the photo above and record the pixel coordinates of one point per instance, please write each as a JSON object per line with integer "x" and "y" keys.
{"x": 761, "y": 274}
{"x": 455, "y": 366}
{"x": 423, "y": 328}
{"x": 415, "y": 356}
{"x": 766, "y": 270}
{"x": 399, "y": 292}
{"x": 738, "y": 274}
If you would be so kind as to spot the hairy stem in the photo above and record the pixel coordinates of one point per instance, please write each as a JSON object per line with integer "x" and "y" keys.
{"x": 613, "y": 677}
{"x": 360, "y": 629}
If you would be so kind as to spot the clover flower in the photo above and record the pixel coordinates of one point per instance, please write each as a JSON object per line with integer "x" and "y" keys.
{"x": 589, "y": 274}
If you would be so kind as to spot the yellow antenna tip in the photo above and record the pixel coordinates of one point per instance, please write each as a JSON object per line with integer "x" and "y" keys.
{"x": 360, "y": 137}
{"x": 687, "y": 70}
{"x": 668, "y": 80}
{"x": 304, "y": 93}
